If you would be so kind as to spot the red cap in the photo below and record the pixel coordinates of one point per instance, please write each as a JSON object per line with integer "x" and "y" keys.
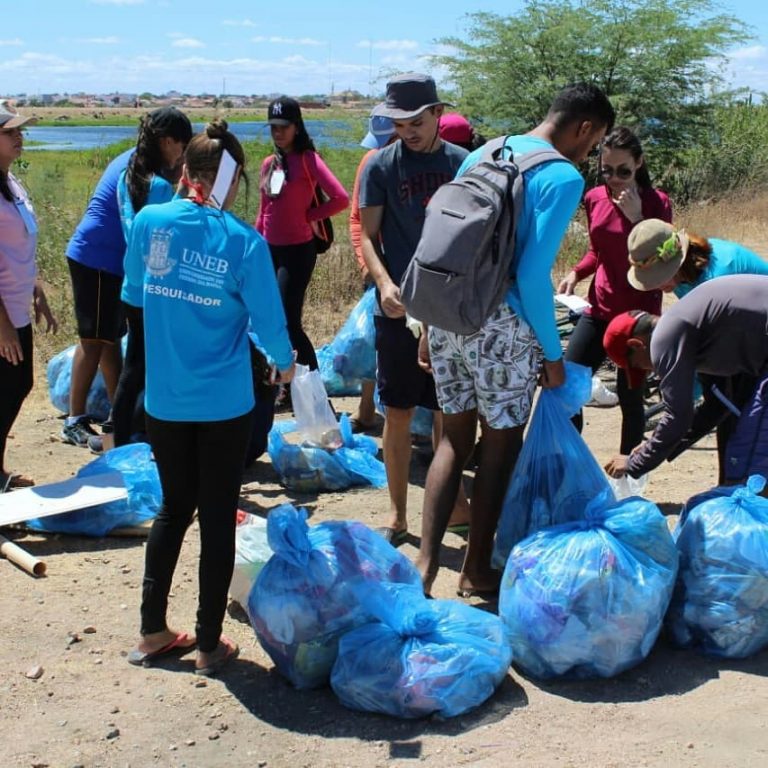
{"x": 615, "y": 342}
{"x": 455, "y": 128}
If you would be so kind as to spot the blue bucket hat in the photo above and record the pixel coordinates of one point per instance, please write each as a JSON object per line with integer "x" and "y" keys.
{"x": 380, "y": 131}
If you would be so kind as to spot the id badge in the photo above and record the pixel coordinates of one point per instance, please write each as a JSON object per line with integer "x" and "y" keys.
{"x": 276, "y": 181}
{"x": 30, "y": 222}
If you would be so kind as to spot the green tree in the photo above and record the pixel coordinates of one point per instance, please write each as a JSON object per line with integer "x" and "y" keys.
{"x": 660, "y": 61}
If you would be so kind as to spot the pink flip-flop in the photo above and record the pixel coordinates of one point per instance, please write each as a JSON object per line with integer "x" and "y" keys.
{"x": 180, "y": 645}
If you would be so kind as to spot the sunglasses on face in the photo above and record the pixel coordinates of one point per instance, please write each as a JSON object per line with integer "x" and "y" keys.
{"x": 622, "y": 172}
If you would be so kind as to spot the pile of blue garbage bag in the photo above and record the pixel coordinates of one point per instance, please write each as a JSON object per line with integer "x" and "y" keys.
{"x": 720, "y": 604}
{"x": 419, "y": 657}
{"x": 555, "y": 476}
{"x": 302, "y": 601}
{"x": 139, "y": 471}
{"x": 588, "y": 598}
{"x": 308, "y": 467}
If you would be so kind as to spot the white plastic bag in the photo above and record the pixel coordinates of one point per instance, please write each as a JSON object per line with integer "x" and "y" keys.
{"x": 315, "y": 420}
{"x": 251, "y": 553}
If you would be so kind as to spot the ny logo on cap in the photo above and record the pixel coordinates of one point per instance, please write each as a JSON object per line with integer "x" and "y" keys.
{"x": 277, "y": 108}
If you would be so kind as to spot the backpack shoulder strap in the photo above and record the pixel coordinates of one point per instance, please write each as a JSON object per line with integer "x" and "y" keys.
{"x": 492, "y": 149}
{"x": 537, "y": 157}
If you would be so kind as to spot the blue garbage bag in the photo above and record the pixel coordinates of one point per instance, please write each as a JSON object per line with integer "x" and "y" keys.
{"x": 303, "y": 601}
{"x": 309, "y": 468}
{"x": 134, "y": 461}
{"x": 351, "y": 356}
{"x": 720, "y": 603}
{"x": 59, "y": 375}
{"x": 420, "y": 656}
{"x": 556, "y": 475}
{"x": 588, "y": 598}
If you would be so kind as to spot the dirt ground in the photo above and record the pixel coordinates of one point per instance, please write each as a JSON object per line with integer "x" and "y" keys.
{"x": 90, "y": 708}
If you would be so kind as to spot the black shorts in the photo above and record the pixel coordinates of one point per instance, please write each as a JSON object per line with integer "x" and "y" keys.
{"x": 98, "y": 309}
{"x": 401, "y": 383}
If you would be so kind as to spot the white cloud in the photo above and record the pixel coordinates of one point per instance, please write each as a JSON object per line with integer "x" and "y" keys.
{"x": 389, "y": 45}
{"x": 749, "y": 53}
{"x": 239, "y": 23}
{"x": 288, "y": 40}
{"x": 16, "y": 41}
{"x": 97, "y": 40}
{"x": 187, "y": 42}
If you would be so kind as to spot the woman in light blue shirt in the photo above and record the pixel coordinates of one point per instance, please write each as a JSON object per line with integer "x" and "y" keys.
{"x": 205, "y": 275}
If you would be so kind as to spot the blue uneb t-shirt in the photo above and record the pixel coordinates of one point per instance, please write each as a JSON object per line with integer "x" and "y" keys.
{"x": 98, "y": 240}
{"x": 552, "y": 193}
{"x": 205, "y": 274}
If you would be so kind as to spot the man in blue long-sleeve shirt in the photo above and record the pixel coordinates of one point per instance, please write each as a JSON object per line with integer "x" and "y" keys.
{"x": 492, "y": 374}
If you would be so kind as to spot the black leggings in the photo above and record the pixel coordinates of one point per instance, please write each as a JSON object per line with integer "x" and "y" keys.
{"x": 130, "y": 386}
{"x": 294, "y": 265}
{"x": 586, "y": 348}
{"x": 15, "y": 385}
{"x": 200, "y": 466}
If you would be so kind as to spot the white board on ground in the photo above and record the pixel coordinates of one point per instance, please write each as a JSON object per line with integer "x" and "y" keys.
{"x": 66, "y": 496}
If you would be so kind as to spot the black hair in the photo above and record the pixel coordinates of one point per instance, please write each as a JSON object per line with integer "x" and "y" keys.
{"x": 5, "y": 189}
{"x": 302, "y": 142}
{"x": 203, "y": 153}
{"x": 623, "y": 138}
{"x": 579, "y": 102}
{"x": 147, "y": 160}
{"x": 644, "y": 324}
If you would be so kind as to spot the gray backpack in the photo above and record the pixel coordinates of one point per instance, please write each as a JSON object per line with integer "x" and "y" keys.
{"x": 465, "y": 258}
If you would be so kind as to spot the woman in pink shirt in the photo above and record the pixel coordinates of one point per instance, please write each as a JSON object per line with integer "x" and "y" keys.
{"x": 287, "y": 185}
{"x": 20, "y": 290}
{"x": 625, "y": 197}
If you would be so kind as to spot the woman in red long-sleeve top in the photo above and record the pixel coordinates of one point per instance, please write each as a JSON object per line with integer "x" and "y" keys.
{"x": 625, "y": 197}
{"x": 286, "y": 213}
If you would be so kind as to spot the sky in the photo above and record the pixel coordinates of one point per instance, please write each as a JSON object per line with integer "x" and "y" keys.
{"x": 249, "y": 47}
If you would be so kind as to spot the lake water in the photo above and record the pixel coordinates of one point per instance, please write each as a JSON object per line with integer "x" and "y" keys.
{"x": 325, "y": 133}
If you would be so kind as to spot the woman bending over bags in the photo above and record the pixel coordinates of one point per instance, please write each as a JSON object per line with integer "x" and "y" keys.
{"x": 205, "y": 275}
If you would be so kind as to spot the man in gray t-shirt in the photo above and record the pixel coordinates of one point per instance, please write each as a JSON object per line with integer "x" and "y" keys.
{"x": 719, "y": 330}
{"x": 396, "y": 185}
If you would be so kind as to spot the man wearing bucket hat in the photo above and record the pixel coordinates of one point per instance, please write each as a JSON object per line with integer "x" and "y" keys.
{"x": 395, "y": 187}
{"x": 720, "y": 330}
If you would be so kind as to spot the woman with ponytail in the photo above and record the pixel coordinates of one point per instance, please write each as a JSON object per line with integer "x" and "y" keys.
{"x": 150, "y": 178}
{"x": 205, "y": 275}
{"x": 289, "y": 178}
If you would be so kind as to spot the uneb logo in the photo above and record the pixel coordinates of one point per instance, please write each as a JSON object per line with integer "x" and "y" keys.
{"x": 158, "y": 263}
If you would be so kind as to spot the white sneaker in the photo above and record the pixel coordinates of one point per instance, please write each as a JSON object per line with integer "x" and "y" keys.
{"x": 602, "y": 397}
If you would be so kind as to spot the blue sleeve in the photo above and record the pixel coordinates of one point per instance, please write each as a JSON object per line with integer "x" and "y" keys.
{"x": 552, "y": 196}
{"x": 261, "y": 295}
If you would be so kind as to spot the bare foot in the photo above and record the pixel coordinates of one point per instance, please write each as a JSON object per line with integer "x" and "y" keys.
{"x": 210, "y": 662}
{"x": 428, "y": 574}
{"x": 155, "y": 641}
{"x": 479, "y": 584}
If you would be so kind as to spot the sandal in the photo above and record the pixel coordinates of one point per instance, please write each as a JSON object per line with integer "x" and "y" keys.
{"x": 392, "y": 536}
{"x": 181, "y": 644}
{"x": 227, "y": 650}
{"x": 20, "y": 481}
